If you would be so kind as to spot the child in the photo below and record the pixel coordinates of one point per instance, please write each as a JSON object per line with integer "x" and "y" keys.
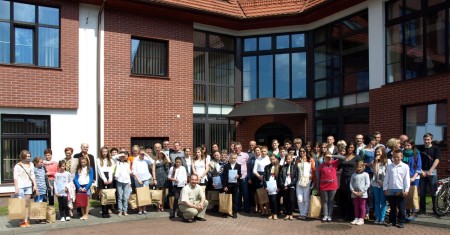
{"x": 61, "y": 185}
{"x": 396, "y": 186}
{"x": 123, "y": 182}
{"x": 271, "y": 173}
{"x": 359, "y": 183}
{"x": 411, "y": 157}
{"x": 105, "y": 171}
{"x": 379, "y": 169}
{"x": 83, "y": 181}
{"x": 288, "y": 181}
{"x": 178, "y": 177}
{"x": 41, "y": 182}
{"x": 328, "y": 185}
{"x": 231, "y": 185}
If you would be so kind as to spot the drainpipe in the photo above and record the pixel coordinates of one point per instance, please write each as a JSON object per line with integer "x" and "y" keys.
{"x": 99, "y": 103}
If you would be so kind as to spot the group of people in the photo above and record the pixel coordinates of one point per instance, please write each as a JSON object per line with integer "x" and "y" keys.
{"x": 362, "y": 175}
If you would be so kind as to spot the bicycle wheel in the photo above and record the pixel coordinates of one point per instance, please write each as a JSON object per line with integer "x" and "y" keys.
{"x": 442, "y": 203}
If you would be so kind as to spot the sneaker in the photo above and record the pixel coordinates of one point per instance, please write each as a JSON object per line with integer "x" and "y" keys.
{"x": 67, "y": 218}
{"x": 360, "y": 222}
{"x": 140, "y": 213}
{"x": 324, "y": 219}
{"x": 400, "y": 225}
{"x": 28, "y": 224}
{"x": 411, "y": 218}
{"x": 329, "y": 219}
{"x": 23, "y": 225}
{"x": 145, "y": 212}
{"x": 354, "y": 221}
{"x": 119, "y": 214}
{"x": 63, "y": 219}
{"x": 125, "y": 214}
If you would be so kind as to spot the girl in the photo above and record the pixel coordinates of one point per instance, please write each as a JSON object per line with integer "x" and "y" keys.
{"x": 83, "y": 181}
{"x": 188, "y": 161}
{"x": 272, "y": 173}
{"x": 62, "y": 181}
{"x": 306, "y": 169}
{"x": 411, "y": 156}
{"x": 142, "y": 174}
{"x": 123, "y": 182}
{"x": 162, "y": 166}
{"x": 178, "y": 176}
{"x": 261, "y": 161}
{"x": 200, "y": 166}
{"x": 359, "y": 184}
{"x": 105, "y": 171}
{"x": 328, "y": 185}
{"x": 379, "y": 168}
{"x": 288, "y": 181}
{"x": 367, "y": 155}
{"x": 231, "y": 186}
{"x": 51, "y": 167}
{"x": 25, "y": 182}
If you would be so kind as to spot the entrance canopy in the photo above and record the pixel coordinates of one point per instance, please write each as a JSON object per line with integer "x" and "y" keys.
{"x": 265, "y": 107}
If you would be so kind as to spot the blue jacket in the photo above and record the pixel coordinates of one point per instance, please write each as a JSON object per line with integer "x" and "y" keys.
{"x": 91, "y": 179}
{"x": 410, "y": 160}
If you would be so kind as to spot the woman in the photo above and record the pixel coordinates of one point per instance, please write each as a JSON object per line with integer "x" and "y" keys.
{"x": 328, "y": 185}
{"x": 178, "y": 177}
{"x": 142, "y": 175}
{"x": 306, "y": 169}
{"x": 162, "y": 166}
{"x": 51, "y": 167}
{"x": 379, "y": 167}
{"x": 200, "y": 166}
{"x": 261, "y": 161}
{"x": 411, "y": 156}
{"x": 71, "y": 163}
{"x": 105, "y": 171}
{"x": 393, "y": 144}
{"x": 319, "y": 160}
{"x": 123, "y": 181}
{"x": 288, "y": 181}
{"x": 25, "y": 183}
{"x": 83, "y": 181}
{"x": 188, "y": 161}
{"x": 271, "y": 174}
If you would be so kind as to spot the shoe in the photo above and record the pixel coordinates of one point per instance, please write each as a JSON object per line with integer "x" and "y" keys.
{"x": 108, "y": 215}
{"x": 104, "y": 216}
{"x": 360, "y": 222}
{"x": 28, "y": 224}
{"x": 224, "y": 216}
{"x": 270, "y": 217}
{"x": 291, "y": 218}
{"x": 234, "y": 215}
{"x": 179, "y": 214}
{"x": 287, "y": 217}
{"x": 144, "y": 212}
{"x": 188, "y": 220}
{"x": 199, "y": 219}
{"x": 367, "y": 217}
{"x": 172, "y": 215}
{"x": 354, "y": 221}
{"x": 324, "y": 219}
{"x": 67, "y": 218}
{"x": 388, "y": 225}
{"x": 140, "y": 213}
{"x": 23, "y": 225}
{"x": 125, "y": 214}
{"x": 400, "y": 225}
{"x": 275, "y": 217}
{"x": 63, "y": 219}
{"x": 410, "y": 218}
{"x": 329, "y": 219}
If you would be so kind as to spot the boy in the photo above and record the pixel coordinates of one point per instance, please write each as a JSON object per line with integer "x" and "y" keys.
{"x": 230, "y": 183}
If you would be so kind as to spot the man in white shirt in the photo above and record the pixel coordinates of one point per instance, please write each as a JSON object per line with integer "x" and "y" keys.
{"x": 396, "y": 187}
{"x": 192, "y": 202}
{"x": 359, "y": 140}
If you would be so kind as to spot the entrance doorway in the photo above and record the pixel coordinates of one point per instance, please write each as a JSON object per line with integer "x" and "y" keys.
{"x": 266, "y": 133}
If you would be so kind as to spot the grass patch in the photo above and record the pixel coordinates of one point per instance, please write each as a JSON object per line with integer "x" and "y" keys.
{"x": 3, "y": 210}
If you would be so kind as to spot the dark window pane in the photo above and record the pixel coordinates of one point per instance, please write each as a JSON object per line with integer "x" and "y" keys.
{"x": 48, "y": 47}
{"x": 298, "y": 40}
{"x": 5, "y": 43}
{"x": 250, "y": 44}
{"x": 283, "y": 42}
{"x": 435, "y": 2}
{"x": 412, "y": 6}
{"x": 5, "y": 10}
{"x": 24, "y": 46}
{"x": 24, "y": 12}
{"x": 265, "y": 43}
{"x": 355, "y": 52}
{"x": 282, "y": 64}
{"x": 414, "y": 63}
{"x": 436, "y": 43}
{"x": 298, "y": 75}
{"x": 49, "y": 15}
{"x": 221, "y": 68}
{"x": 199, "y": 66}
{"x": 199, "y": 39}
{"x": 320, "y": 35}
{"x": 249, "y": 74}
{"x": 320, "y": 54}
{"x": 355, "y": 23}
{"x": 265, "y": 76}
{"x": 221, "y": 42}
{"x": 427, "y": 118}
{"x": 149, "y": 57}
{"x": 394, "y": 9}
{"x": 320, "y": 89}
{"x": 394, "y": 51}
{"x": 199, "y": 135}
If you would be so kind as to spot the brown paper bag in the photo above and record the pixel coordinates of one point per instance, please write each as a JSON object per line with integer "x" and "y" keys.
{"x": 51, "y": 214}
{"x": 108, "y": 196}
{"x": 315, "y": 205}
{"x": 143, "y": 196}
{"x": 171, "y": 201}
{"x": 157, "y": 196}
{"x": 262, "y": 196}
{"x": 412, "y": 199}
{"x": 16, "y": 208}
{"x": 213, "y": 198}
{"x": 226, "y": 203}
{"x": 38, "y": 210}
{"x": 132, "y": 201}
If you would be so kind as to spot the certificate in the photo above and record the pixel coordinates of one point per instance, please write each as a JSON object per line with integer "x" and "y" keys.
{"x": 272, "y": 187}
{"x": 232, "y": 176}
{"x": 217, "y": 182}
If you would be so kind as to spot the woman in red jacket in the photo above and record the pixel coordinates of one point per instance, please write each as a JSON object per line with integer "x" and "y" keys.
{"x": 328, "y": 185}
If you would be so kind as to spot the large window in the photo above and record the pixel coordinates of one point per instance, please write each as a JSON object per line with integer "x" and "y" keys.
{"x": 22, "y": 132}
{"x": 417, "y": 39}
{"x": 274, "y": 66}
{"x": 149, "y": 57}
{"x": 427, "y": 118}
{"x": 29, "y": 34}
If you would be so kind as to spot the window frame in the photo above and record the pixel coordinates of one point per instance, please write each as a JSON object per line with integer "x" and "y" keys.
{"x": 167, "y": 51}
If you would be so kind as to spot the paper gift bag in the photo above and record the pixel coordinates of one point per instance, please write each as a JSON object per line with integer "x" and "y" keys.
{"x": 38, "y": 210}
{"x": 81, "y": 200}
{"x": 171, "y": 201}
{"x": 51, "y": 214}
{"x": 262, "y": 196}
{"x": 226, "y": 203}
{"x": 108, "y": 196}
{"x": 315, "y": 205}
{"x": 412, "y": 199}
{"x": 143, "y": 196}
{"x": 16, "y": 208}
{"x": 94, "y": 192}
{"x": 157, "y": 196}
{"x": 132, "y": 201}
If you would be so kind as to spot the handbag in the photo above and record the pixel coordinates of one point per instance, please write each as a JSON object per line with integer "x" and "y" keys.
{"x": 262, "y": 196}
{"x": 81, "y": 200}
{"x": 303, "y": 181}
{"x": 38, "y": 210}
{"x": 16, "y": 208}
{"x": 51, "y": 214}
{"x": 108, "y": 196}
{"x": 226, "y": 203}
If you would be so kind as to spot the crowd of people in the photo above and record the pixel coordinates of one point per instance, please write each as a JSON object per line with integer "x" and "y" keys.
{"x": 358, "y": 178}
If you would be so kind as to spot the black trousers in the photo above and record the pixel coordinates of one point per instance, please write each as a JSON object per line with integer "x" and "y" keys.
{"x": 176, "y": 195}
{"x": 63, "y": 207}
{"x": 102, "y": 185}
{"x": 345, "y": 202}
{"x": 273, "y": 202}
{"x": 397, "y": 202}
{"x": 289, "y": 200}
{"x": 234, "y": 191}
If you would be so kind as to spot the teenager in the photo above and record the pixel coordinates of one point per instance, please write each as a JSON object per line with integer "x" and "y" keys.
{"x": 231, "y": 184}
{"x": 200, "y": 166}
{"x": 379, "y": 168}
{"x": 162, "y": 166}
{"x": 288, "y": 181}
{"x": 83, "y": 181}
{"x": 411, "y": 157}
{"x": 61, "y": 185}
{"x": 178, "y": 177}
{"x": 262, "y": 160}
{"x": 272, "y": 173}
{"x": 123, "y": 181}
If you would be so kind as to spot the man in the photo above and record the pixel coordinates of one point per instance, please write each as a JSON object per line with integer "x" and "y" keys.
{"x": 275, "y": 150}
{"x": 251, "y": 146}
{"x": 331, "y": 147}
{"x": 287, "y": 144}
{"x": 359, "y": 140}
{"x": 84, "y": 153}
{"x": 166, "y": 148}
{"x": 176, "y": 152}
{"x": 377, "y": 136}
{"x": 192, "y": 202}
{"x": 297, "y": 146}
{"x": 403, "y": 138}
{"x": 430, "y": 156}
{"x": 242, "y": 159}
{"x": 250, "y": 164}
{"x": 214, "y": 147}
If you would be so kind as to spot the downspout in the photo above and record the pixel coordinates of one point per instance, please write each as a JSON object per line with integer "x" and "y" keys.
{"x": 99, "y": 103}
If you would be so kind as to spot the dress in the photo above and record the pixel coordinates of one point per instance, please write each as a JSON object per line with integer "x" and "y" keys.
{"x": 161, "y": 171}
{"x": 200, "y": 167}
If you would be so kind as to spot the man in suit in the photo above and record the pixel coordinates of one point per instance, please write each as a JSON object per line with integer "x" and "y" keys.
{"x": 231, "y": 185}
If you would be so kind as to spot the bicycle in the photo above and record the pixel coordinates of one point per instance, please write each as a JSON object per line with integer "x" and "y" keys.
{"x": 442, "y": 202}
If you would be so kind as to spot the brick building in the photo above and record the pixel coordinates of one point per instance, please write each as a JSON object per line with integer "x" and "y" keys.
{"x": 119, "y": 73}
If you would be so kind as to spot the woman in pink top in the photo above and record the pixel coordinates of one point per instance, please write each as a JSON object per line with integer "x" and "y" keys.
{"x": 51, "y": 167}
{"x": 328, "y": 185}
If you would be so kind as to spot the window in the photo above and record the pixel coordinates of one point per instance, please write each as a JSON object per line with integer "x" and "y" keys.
{"x": 147, "y": 141}
{"x": 29, "y": 34}
{"x": 274, "y": 66}
{"x": 149, "y": 57}
{"x": 22, "y": 132}
{"x": 428, "y": 118}
{"x": 416, "y": 39}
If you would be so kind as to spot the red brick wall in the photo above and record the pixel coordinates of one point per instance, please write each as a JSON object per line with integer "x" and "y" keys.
{"x": 387, "y": 103}
{"x": 147, "y": 106}
{"x": 245, "y": 130}
{"x": 34, "y": 87}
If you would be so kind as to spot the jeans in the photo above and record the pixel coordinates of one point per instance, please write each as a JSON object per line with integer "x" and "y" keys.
{"x": 40, "y": 198}
{"x": 428, "y": 181}
{"x": 123, "y": 192}
{"x": 359, "y": 205}
{"x": 244, "y": 194}
{"x": 379, "y": 203}
{"x": 397, "y": 202}
{"x": 303, "y": 195}
{"x": 328, "y": 202}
